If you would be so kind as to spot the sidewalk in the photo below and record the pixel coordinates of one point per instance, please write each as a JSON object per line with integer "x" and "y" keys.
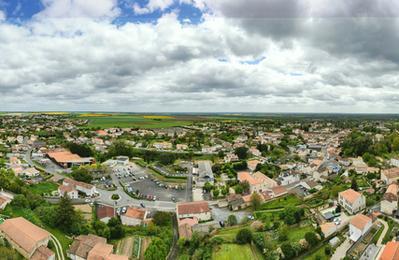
{"x": 340, "y": 252}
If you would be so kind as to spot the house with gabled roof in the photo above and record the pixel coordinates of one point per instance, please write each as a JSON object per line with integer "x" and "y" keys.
{"x": 352, "y": 201}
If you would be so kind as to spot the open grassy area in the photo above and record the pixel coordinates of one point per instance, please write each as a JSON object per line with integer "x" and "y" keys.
{"x": 297, "y": 233}
{"x": 318, "y": 254}
{"x": 286, "y": 201}
{"x": 44, "y": 187}
{"x": 142, "y": 121}
{"x": 229, "y": 233}
{"x": 237, "y": 252}
{"x": 168, "y": 180}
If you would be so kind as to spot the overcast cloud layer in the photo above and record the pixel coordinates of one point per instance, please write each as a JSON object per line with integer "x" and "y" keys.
{"x": 244, "y": 55}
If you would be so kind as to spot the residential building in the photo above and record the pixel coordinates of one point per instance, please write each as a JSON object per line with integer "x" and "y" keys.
{"x": 5, "y": 198}
{"x": 394, "y": 162}
{"x": 358, "y": 226}
{"x": 92, "y": 247}
{"x": 85, "y": 188}
{"x": 352, "y": 201}
{"x": 328, "y": 228}
{"x": 389, "y": 203}
{"x": 251, "y": 164}
{"x": 66, "y": 159}
{"x": 258, "y": 182}
{"x": 390, "y": 251}
{"x": 105, "y": 213}
{"x": 204, "y": 173}
{"x": 390, "y": 175}
{"x": 287, "y": 178}
{"x": 134, "y": 216}
{"x": 70, "y": 191}
{"x": 197, "y": 209}
{"x": 24, "y": 236}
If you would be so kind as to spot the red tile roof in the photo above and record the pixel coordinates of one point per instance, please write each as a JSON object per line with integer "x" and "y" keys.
{"x": 196, "y": 207}
{"x": 391, "y": 251}
{"x": 24, "y": 233}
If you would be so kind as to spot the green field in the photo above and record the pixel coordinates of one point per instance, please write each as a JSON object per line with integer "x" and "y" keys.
{"x": 132, "y": 121}
{"x": 237, "y": 252}
{"x": 44, "y": 187}
{"x": 286, "y": 201}
{"x": 319, "y": 254}
{"x": 229, "y": 233}
{"x": 297, "y": 233}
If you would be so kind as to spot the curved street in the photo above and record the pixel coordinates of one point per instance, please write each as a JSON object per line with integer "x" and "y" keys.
{"x": 58, "y": 247}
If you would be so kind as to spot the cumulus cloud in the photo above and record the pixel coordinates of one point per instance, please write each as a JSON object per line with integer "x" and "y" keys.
{"x": 79, "y": 8}
{"x": 152, "y": 5}
{"x": 2, "y": 16}
{"x": 221, "y": 64}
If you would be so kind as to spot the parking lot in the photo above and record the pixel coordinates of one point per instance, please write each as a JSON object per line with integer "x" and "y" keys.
{"x": 152, "y": 189}
{"x": 136, "y": 180}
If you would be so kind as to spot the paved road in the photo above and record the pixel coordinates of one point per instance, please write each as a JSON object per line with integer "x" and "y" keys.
{"x": 58, "y": 247}
{"x": 384, "y": 232}
{"x": 340, "y": 252}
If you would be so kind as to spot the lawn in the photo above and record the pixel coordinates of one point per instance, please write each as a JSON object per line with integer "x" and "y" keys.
{"x": 132, "y": 121}
{"x": 44, "y": 187}
{"x": 237, "y": 252}
{"x": 286, "y": 201}
{"x": 168, "y": 180}
{"x": 229, "y": 233}
{"x": 318, "y": 254}
{"x": 297, "y": 233}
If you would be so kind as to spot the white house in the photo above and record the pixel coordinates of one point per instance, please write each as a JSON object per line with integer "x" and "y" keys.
{"x": 287, "y": 178}
{"x": 389, "y": 203}
{"x": 134, "y": 216}
{"x": 358, "y": 226}
{"x": 390, "y": 175}
{"x": 394, "y": 162}
{"x": 69, "y": 191}
{"x": 352, "y": 201}
{"x": 5, "y": 198}
{"x": 87, "y": 189}
{"x": 197, "y": 209}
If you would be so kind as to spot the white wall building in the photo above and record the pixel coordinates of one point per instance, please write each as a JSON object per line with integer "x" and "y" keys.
{"x": 352, "y": 201}
{"x": 358, "y": 226}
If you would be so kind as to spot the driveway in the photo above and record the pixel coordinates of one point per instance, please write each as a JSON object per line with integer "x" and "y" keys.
{"x": 340, "y": 252}
{"x": 384, "y": 232}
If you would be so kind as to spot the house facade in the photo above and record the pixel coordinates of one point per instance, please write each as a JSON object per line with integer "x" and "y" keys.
{"x": 197, "y": 209}
{"x": 358, "y": 226}
{"x": 389, "y": 203}
{"x": 352, "y": 201}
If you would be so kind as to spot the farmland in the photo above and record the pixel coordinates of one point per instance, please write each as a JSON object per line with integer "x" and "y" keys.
{"x": 132, "y": 121}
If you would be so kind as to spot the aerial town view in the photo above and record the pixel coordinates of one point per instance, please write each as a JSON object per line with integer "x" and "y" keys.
{"x": 199, "y": 130}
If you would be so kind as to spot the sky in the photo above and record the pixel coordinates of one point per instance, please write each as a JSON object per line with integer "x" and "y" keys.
{"x": 200, "y": 55}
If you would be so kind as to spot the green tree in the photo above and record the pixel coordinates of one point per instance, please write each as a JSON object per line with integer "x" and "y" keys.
{"x": 162, "y": 218}
{"x": 311, "y": 238}
{"x": 255, "y": 201}
{"x": 288, "y": 250}
{"x": 82, "y": 174}
{"x": 244, "y": 236}
{"x": 232, "y": 220}
{"x": 156, "y": 250}
{"x": 241, "y": 152}
{"x": 115, "y": 228}
{"x": 101, "y": 229}
{"x": 65, "y": 215}
{"x": 354, "y": 185}
{"x": 20, "y": 201}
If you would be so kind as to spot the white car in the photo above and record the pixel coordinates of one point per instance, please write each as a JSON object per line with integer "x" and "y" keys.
{"x": 337, "y": 221}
